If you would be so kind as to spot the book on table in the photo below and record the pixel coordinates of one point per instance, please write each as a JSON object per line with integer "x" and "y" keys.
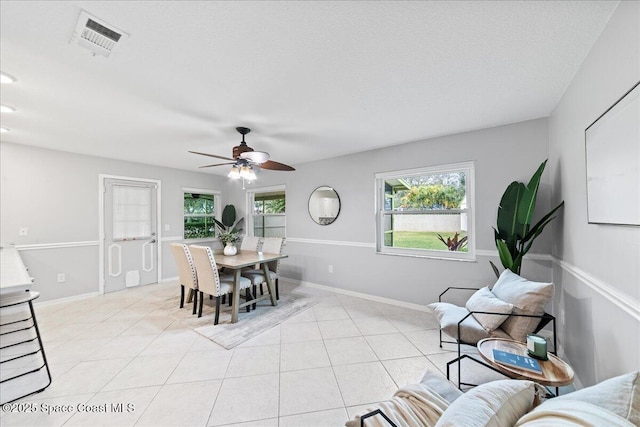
{"x": 516, "y": 361}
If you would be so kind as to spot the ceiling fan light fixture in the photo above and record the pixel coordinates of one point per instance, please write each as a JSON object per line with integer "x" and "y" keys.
{"x": 234, "y": 173}
{"x": 255, "y": 156}
{"x": 246, "y": 172}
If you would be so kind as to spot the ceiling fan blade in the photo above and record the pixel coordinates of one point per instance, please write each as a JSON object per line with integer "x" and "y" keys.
{"x": 270, "y": 164}
{"x": 219, "y": 164}
{"x": 212, "y": 155}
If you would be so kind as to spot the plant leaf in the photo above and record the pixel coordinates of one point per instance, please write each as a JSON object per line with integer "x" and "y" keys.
{"x": 505, "y": 255}
{"x": 533, "y": 233}
{"x": 526, "y": 208}
{"x": 508, "y": 223}
{"x": 495, "y": 269}
{"x": 221, "y": 225}
{"x": 229, "y": 215}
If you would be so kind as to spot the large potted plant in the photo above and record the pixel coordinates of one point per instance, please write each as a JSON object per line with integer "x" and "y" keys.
{"x": 515, "y": 235}
{"x": 228, "y": 230}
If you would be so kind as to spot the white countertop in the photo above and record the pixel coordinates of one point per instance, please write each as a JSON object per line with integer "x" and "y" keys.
{"x": 13, "y": 273}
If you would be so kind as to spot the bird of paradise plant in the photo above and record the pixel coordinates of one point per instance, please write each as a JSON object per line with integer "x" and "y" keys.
{"x": 515, "y": 235}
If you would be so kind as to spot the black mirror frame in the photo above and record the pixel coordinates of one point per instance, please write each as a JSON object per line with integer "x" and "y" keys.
{"x": 339, "y": 204}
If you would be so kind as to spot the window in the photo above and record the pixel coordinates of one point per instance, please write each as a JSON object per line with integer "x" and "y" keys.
{"x": 267, "y": 207}
{"x": 200, "y": 208}
{"x": 426, "y": 212}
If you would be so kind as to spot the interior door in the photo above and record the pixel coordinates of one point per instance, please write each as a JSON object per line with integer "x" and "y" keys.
{"x": 130, "y": 234}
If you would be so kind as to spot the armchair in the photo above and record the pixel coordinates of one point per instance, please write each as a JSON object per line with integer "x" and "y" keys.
{"x": 511, "y": 310}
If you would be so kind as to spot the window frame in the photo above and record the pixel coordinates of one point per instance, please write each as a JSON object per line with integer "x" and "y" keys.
{"x": 381, "y": 213}
{"x": 217, "y": 214}
{"x": 250, "y": 202}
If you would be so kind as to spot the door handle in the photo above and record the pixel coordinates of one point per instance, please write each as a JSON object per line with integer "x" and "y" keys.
{"x": 152, "y": 241}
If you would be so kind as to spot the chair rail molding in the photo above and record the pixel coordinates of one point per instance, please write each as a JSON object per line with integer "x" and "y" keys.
{"x": 330, "y": 242}
{"x": 59, "y": 245}
{"x": 626, "y": 302}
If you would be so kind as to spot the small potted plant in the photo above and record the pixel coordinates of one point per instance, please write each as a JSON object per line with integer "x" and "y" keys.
{"x": 228, "y": 231}
{"x": 228, "y": 239}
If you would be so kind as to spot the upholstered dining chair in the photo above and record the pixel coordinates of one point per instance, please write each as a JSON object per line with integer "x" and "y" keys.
{"x": 270, "y": 245}
{"x": 210, "y": 281}
{"x": 186, "y": 272}
{"x": 250, "y": 243}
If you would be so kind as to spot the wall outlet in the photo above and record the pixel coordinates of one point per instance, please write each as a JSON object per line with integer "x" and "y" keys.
{"x": 61, "y": 277}
{"x": 330, "y": 268}
{"x": 23, "y": 231}
{"x": 167, "y": 227}
{"x": 562, "y": 316}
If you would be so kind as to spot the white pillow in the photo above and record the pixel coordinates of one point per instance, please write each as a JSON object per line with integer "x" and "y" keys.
{"x": 494, "y": 404}
{"x": 527, "y": 297}
{"x": 571, "y": 413}
{"x": 485, "y": 300}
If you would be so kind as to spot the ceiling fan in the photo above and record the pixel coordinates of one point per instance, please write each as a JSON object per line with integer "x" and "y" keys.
{"x": 245, "y": 159}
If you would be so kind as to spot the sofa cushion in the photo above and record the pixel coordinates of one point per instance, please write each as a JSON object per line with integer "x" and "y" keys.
{"x": 622, "y": 396}
{"x": 494, "y": 404}
{"x": 485, "y": 300}
{"x": 527, "y": 298}
{"x": 571, "y": 413}
{"x": 449, "y": 315}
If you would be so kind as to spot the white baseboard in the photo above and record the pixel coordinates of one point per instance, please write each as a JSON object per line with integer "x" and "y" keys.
{"x": 66, "y": 299}
{"x": 169, "y": 279}
{"x": 375, "y": 298}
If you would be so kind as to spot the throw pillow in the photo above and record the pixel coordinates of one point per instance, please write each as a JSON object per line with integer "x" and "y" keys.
{"x": 494, "y": 404}
{"x": 571, "y": 413}
{"x": 622, "y": 396}
{"x": 485, "y": 300}
{"x": 449, "y": 315}
{"x": 527, "y": 297}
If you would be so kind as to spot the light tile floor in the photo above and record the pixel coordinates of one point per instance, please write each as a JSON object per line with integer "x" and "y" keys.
{"x": 318, "y": 368}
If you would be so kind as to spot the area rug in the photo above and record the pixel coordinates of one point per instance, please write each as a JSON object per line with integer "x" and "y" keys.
{"x": 249, "y": 325}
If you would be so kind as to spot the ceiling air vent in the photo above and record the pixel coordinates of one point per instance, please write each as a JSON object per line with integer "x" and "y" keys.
{"x": 96, "y": 35}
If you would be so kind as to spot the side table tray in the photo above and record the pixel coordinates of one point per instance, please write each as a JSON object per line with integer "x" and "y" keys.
{"x": 22, "y": 358}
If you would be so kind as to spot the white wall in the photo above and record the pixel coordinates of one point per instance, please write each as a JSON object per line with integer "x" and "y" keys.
{"x": 598, "y": 273}
{"x": 55, "y": 195}
{"x": 502, "y": 154}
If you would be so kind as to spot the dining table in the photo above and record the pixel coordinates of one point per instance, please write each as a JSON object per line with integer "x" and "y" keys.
{"x": 236, "y": 263}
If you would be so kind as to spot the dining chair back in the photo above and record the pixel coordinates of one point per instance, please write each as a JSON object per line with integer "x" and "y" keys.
{"x": 210, "y": 281}
{"x": 186, "y": 271}
{"x": 250, "y": 243}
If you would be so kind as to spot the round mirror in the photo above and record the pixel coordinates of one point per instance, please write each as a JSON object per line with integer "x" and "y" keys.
{"x": 324, "y": 205}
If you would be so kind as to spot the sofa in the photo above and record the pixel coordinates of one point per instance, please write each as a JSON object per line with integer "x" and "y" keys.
{"x": 435, "y": 402}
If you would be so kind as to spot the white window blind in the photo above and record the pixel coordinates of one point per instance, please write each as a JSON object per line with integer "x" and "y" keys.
{"x": 131, "y": 212}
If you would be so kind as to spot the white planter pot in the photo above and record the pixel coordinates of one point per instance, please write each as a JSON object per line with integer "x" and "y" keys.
{"x": 229, "y": 249}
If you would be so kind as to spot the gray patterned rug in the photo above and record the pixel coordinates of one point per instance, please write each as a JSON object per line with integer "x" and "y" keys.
{"x": 249, "y": 325}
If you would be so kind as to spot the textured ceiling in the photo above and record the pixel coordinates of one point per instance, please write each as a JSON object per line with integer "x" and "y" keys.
{"x": 312, "y": 79}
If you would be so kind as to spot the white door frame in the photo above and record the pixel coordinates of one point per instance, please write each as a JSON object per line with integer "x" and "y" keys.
{"x": 101, "y": 236}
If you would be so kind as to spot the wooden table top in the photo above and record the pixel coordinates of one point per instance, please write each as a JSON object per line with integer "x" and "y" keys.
{"x": 555, "y": 371}
{"x": 245, "y": 259}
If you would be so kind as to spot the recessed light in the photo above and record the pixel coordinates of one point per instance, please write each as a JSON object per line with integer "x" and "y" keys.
{"x": 6, "y": 109}
{"x": 6, "y": 78}
{"x": 4, "y": 130}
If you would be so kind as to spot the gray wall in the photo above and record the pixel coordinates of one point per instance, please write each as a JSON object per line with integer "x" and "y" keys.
{"x": 502, "y": 154}
{"x": 55, "y": 195}
{"x": 598, "y": 272}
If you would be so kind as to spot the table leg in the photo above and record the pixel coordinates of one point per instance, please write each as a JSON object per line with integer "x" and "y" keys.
{"x": 236, "y": 296}
{"x": 272, "y": 292}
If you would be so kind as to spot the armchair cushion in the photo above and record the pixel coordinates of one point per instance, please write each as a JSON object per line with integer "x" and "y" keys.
{"x": 485, "y": 300}
{"x": 527, "y": 298}
{"x": 449, "y": 315}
